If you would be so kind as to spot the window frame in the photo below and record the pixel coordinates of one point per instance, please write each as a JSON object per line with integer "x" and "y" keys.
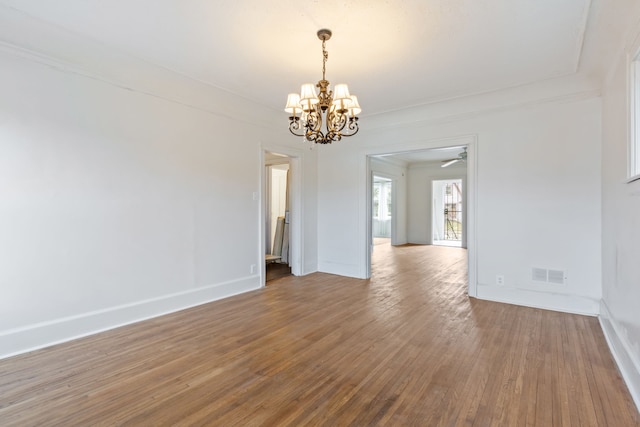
{"x": 633, "y": 146}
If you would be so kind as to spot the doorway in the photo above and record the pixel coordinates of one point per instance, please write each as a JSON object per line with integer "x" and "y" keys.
{"x": 448, "y": 208}
{"x": 419, "y": 165}
{"x": 277, "y": 228}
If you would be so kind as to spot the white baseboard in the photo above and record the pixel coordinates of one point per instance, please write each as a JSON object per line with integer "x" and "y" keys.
{"x": 309, "y": 268}
{"x": 545, "y": 300}
{"x": 340, "y": 269}
{"x": 628, "y": 365}
{"x": 45, "y": 334}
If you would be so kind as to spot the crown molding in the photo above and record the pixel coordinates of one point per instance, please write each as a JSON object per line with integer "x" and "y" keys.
{"x": 91, "y": 59}
{"x": 566, "y": 89}
{"x": 582, "y": 36}
{"x": 29, "y": 39}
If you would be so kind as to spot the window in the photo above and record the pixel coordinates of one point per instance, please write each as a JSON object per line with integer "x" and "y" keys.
{"x": 388, "y": 198}
{"x": 382, "y": 207}
{"x": 633, "y": 169}
{"x": 382, "y": 198}
{"x": 376, "y": 200}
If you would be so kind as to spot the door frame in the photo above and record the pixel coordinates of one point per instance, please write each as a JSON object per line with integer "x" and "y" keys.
{"x": 365, "y": 197}
{"x": 296, "y": 258}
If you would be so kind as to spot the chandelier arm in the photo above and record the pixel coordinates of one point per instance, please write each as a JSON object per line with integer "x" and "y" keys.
{"x": 316, "y": 137}
{"x": 294, "y": 132}
{"x": 342, "y": 125}
{"x": 294, "y": 126}
{"x": 314, "y": 121}
{"x": 336, "y": 121}
{"x": 334, "y": 136}
{"x": 353, "y": 126}
{"x": 325, "y": 140}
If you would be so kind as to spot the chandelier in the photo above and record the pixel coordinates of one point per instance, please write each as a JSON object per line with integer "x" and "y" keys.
{"x": 308, "y": 110}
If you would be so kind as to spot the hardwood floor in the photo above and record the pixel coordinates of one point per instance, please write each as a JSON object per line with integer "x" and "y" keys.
{"x": 276, "y": 271}
{"x": 404, "y": 348}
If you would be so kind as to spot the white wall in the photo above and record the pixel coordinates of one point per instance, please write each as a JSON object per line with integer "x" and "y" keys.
{"x": 620, "y": 316}
{"x": 538, "y": 198}
{"x": 117, "y": 205}
{"x": 421, "y": 177}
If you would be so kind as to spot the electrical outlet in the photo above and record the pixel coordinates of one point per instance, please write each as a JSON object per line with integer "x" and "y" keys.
{"x": 500, "y": 280}
{"x": 253, "y": 268}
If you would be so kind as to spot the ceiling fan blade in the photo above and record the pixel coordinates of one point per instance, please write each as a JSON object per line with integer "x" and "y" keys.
{"x": 449, "y": 163}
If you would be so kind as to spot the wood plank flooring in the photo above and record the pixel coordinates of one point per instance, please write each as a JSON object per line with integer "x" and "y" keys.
{"x": 406, "y": 348}
{"x": 276, "y": 270}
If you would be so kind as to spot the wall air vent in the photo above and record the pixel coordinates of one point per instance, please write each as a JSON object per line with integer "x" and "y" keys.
{"x": 557, "y": 277}
{"x": 539, "y": 274}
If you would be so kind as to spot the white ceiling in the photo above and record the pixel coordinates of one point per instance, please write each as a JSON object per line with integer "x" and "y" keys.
{"x": 392, "y": 53}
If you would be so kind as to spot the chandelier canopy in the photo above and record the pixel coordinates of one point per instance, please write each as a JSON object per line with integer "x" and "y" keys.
{"x": 337, "y": 109}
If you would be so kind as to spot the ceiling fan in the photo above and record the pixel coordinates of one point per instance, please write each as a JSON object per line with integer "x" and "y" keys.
{"x": 462, "y": 157}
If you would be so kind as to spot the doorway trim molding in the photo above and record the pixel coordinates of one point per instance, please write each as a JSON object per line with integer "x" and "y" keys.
{"x": 365, "y": 197}
{"x": 296, "y": 241}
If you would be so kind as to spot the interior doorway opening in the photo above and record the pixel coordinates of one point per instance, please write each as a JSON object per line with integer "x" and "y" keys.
{"x": 277, "y": 228}
{"x": 413, "y": 172}
{"x": 448, "y": 212}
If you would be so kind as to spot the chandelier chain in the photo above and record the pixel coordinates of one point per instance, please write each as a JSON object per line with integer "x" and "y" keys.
{"x": 325, "y": 56}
